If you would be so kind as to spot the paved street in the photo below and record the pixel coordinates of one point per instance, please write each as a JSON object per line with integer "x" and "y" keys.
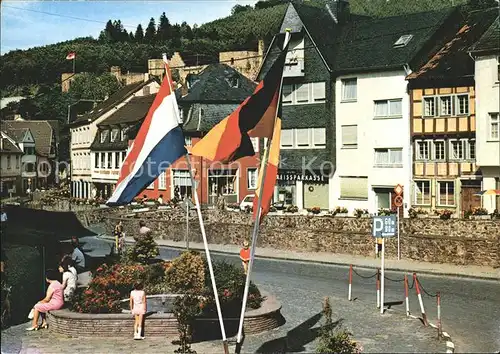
{"x": 470, "y": 311}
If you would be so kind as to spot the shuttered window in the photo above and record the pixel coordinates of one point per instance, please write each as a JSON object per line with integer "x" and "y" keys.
{"x": 349, "y": 136}
{"x": 354, "y": 187}
{"x": 302, "y": 136}
{"x": 302, "y": 93}
{"x": 287, "y": 93}
{"x": 286, "y": 138}
{"x": 319, "y": 92}
{"x": 319, "y": 136}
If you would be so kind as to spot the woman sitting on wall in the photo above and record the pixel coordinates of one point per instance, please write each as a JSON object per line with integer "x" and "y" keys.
{"x": 69, "y": 277}
{"x": 53, "y": 300}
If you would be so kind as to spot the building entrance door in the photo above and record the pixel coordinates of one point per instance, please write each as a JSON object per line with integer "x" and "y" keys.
{"x": 468, "y": 198}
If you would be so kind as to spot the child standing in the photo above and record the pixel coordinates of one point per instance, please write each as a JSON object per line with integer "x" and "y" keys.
{"x": 138, "y": 306}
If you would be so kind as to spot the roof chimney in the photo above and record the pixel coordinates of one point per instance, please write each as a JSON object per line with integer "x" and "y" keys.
{"x": 338, "y": 10}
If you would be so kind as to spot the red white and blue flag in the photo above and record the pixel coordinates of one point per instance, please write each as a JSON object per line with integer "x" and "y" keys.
{"x": 159, "y": 143}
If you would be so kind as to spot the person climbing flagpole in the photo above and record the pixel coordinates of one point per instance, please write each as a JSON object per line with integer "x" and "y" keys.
{"x": 257, "y": 213}
{"x": 202, "y": 225}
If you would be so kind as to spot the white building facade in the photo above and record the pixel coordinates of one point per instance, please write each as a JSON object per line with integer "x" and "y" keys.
{"x": 373, "y": 141}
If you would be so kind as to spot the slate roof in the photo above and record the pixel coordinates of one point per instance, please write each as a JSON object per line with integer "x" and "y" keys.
{"x": 214, "y": 86}
{"x": 490, "y": 41}
{"x": 134, "y": 110}
{"x": 40, "y": 129}
{"x": 212, "y": 114}
{"x": 8, "y": 146}
{"x": 297, "y": 159}
{"x": 367, "y": 44}
{"x": 111, "y": 102}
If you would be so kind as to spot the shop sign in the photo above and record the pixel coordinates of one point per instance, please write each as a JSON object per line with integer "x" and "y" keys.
{"x": 292, "y": 176}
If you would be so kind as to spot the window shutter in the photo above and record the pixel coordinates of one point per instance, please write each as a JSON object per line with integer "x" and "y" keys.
{"x": 302, "y": 93}
{"x": 319, "y": 136}
{"x": 319, "y": 91}
{"x": 349, "y": 135}
{"x": 381, "y": 108}
{"x": 396, "y": 156}
{"x": 381, "y": 156}
{"x": 286, "y": 138}
{"x": 302, "y": 137}
{"x": 354, "y": 187}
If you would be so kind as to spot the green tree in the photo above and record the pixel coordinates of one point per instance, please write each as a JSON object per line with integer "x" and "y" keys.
{"x": 93, "y": 87}
{"x": 186, "y": 31}
{"x": 149, "y": 36}
{"x": 139, "y": 34}
{"x": 240, "y": 8}
{"x": 164, "y": 32}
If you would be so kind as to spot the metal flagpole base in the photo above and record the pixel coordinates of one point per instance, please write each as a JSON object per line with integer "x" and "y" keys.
{"x": 226, "y": 347}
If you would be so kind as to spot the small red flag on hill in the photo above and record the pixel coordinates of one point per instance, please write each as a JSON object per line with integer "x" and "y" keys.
{"x": 71, "y": 55}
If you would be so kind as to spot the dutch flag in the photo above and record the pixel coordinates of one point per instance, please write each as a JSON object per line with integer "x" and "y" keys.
{"x": 159, "y": 143}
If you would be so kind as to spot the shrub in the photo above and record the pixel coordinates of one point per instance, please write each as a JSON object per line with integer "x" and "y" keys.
{"x": 359, "y": 212}
{"x": 339, "y": 210}
{"x": 187, "y": 273}
{"x": 386, "y": 212}
{"x": 335, "y": 340}
{"x": 291, "y": 209}
{"x": 144, "y": 250}
{"x": 479, "y": 211}
{"x": 444, "y": 214}
{"x": 186, "y": 308}
{"x": 414, "y": 212}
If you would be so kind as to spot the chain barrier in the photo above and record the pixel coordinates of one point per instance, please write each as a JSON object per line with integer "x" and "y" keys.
{"x": 425, "y": 291}
{"x": 363, "y": 276}
{"x": 412, "y": 284}
{"x": 394, "y": 280}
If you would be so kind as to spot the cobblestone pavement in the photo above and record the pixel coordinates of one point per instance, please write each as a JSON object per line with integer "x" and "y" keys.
{"x": 300, "y": 287}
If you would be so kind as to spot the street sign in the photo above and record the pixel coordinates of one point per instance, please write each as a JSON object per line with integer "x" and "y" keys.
{"x": 398, "y": 189}
{"x": 384, "y": 226}
{"x": 398, "y": 201}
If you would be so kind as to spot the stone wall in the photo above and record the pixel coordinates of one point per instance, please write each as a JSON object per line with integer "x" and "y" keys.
{"x": 456, "y": 241}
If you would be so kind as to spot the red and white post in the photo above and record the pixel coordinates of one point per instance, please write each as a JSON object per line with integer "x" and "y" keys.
{"x": 378, "y": 288}
{"x": 406, "y": 296}
{"x": 419, "y": 295}
{"x": 439, "y": 327}
{"x": 349, "y": 295}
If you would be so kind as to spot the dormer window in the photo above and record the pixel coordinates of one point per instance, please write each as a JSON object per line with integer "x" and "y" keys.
{"x": 104, "y": 135}
{"x": 234, "y": 81}
{"x": 123, "y": 134}
{"x": 403, "y": 41}
{"x": 114, "y": 134}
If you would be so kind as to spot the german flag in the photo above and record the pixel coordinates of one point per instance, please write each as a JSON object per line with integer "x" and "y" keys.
{"x": 271, "y": 174}
{"x": 230, "y": 139}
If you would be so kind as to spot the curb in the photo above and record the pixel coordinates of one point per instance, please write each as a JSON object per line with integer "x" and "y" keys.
{"x": 450, "y": 346}
{"x": 366, "y": 267}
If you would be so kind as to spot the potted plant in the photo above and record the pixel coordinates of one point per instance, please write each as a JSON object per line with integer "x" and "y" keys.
{"x": 418, "y": 213}
{"x": 315, "y": 210}
{"x": 480, "y": 214}
{"x": 339, "y": 211}
{"x": 361, "y": 213}
{"x": 444, "y": 214}
{"x": 385, "y": 212}
{"x": 291, "y": 209}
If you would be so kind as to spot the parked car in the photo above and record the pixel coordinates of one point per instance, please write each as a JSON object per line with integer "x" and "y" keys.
{"x": 247, "y": 202}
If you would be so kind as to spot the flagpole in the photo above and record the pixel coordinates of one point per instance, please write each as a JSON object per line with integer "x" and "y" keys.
{"x": 257, "y": 216}
{"x": 204, "y": 235}
{"x": 209, "y": 260}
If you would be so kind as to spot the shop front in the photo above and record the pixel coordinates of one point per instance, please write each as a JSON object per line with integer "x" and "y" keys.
{"x": 304, "y": 189}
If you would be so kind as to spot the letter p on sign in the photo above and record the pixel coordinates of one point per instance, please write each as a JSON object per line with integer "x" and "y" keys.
{"x": 378, "y": 226}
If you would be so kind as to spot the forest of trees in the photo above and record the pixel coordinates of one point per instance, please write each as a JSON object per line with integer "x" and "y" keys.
{"x": 36, "y": 72}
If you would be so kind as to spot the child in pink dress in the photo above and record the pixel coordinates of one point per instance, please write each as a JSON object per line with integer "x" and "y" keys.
{"x": 138, "y": 307}
{"x": 54, "y": 300}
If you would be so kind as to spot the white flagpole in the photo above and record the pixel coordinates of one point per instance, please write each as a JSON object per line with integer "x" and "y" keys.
{"x": 204, "y": 235}
{"x": 257, "y": 216}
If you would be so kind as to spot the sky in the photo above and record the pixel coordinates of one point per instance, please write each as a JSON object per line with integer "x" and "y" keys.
{"x": 26, "y": 24}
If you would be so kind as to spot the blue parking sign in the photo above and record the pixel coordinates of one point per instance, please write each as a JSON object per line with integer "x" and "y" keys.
{"x": 384, "y": 226}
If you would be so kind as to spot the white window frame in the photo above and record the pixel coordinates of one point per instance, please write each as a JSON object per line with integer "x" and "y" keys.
{"x": 311, "y": 144}
{"x": 438, "y": 193}
{"x": 307, "y": 132}
{"x": 114, "y": 134}
{"x": 434, "y": 145}
{"x": 292, "y": 135}
{"x": 289, "y": 93}
{"x": 151, "y": 186}
{"x": 417, "y": 150}
{"x": 389, "y": 152}
{"x": 320, "y": 144}
{"x": 457, "y": 105}
{"x": 123, "y": 134}
{"x": 468, "y": 152}
{"x": 461, "y": 142}
{"x": 493, "y": 119}
{"x": 104, "y": 135}
{"x": 388, "y": 102}
{"x": 343, "y": 85}
{"x": 162, "y": 181}
{"x": 254, "y": 185}
{"x": 424, "y": 100}
{"x": 347, "y": 145}
{"x": 188, "y": 141}
{"x": 255, "y": 144}
{"x": 440, "y": 101}
{"x": 415, "y": 199}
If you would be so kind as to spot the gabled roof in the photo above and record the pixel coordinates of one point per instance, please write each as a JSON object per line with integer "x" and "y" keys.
{"x": 40, "y": 129}
{"x": 214, "y": 86}
{"x": 8, "y": 145}
{"x": 452, "y": 61}
{"x": 490, "y": 41}
{"x": 361, "y": 43}
{"x": 115, "y": 99}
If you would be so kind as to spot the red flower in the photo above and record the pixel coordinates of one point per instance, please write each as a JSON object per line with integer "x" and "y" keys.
{"x": 227, "y": 293}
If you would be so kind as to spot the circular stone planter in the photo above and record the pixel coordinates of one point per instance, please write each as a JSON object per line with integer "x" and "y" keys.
{"x": 75, "y": 324}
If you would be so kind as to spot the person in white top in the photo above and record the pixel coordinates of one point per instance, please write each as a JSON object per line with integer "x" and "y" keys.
{"x": 69, "y": 278}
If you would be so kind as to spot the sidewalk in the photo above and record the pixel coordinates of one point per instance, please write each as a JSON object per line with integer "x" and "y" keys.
{"x": 480, "y": 272}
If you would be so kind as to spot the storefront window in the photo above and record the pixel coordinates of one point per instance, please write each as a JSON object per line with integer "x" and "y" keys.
{"x": 182, "y": 184}
{"x": 223, "y": 182}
